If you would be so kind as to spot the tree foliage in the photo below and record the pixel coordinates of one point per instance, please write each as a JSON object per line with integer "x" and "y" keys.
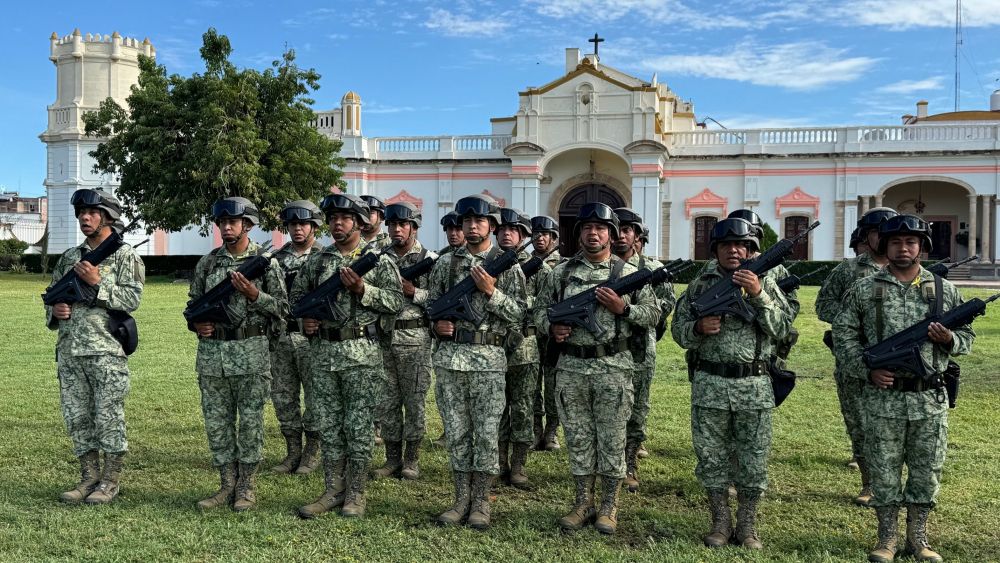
{"x": 770, "y": 237}
{"x": 184, "y": 142}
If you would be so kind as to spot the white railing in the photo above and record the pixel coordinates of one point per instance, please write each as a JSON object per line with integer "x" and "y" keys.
{"x": 481, "y": 143}
{"x": 407, "y": 144}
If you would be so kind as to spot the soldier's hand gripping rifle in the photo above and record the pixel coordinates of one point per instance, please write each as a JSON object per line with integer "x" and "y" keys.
{"x": 530, "y": 267}
{"x": 319, "y": 303}
{"x": 580, "y": 310}
{"x": 213, "y": 305}
{"x": 726, "y": 298}
{"x": 411, "y": 273}
{"x": 901, "y": 351}
{"x": 456, "y": 303}
{"x": 942, "y": 269}
{"x": 70, "y": 288}
{"x": 793, "y": 282}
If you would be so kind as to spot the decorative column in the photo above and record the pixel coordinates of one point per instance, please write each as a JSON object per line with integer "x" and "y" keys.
{"x": 972, "y": 224}
{"x": 864, "y": 205}
{"x": 987, "y": 229}
{"x": 525, "y": 176}
{"x": 878, "y": 201}
{"x": 647, "y": 158}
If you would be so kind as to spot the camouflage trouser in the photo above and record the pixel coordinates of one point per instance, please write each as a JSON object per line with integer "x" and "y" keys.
{"x": 594, "y": 409}
{"x": 233, "y": 407}
{"x": 471, "y": 403}
{"x": 849, "y": 392}
{"x": 408, "y": 378}
{"x": 92, "y": 392}
{"x": 516, "y": 424}
{"x": 919, "y": 444}
{"x": 719, "y": 434}
{"x": 290, "y": 379}
{"x": 346, "y": 401}
{"x": 545, "y": 389}
{"x": 642, "y": 379}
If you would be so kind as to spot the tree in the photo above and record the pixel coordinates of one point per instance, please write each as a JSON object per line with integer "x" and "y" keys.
{"x": 184, "y": 142}
{"x": 770, "y": 237}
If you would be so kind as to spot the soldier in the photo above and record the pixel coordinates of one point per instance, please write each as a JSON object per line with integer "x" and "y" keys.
{"x": 858, "y": 244}
{"x": 406, "y": 351}
{"x": 516, "y": 435}
{"x": 90, "y": 363}
{"x": 628, "y": 247}
{"x": 347, "y": 374}
{"x": 829, "y": 303}
{"x": 233, "y": 363}
{"x": 371, "y": 232}
{"x": 594, "y": 371}
{"x": 905, "y": 416}
{"x": 545, "y": 239}
{"x": 731, "y": 394}
{"x": 470, "y": 361}
{"x": 290, "y": 349}
{"x": 452, "y": 225}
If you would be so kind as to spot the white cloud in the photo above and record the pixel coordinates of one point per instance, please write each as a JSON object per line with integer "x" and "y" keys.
{"x": 909, "y": 87}
{"x": 906, "y": 14}
{"x": 461, "y": 25}
{"x": 673, "y": 12}
{"x": 750, "y": 121}
{"x": 795, "y": 66}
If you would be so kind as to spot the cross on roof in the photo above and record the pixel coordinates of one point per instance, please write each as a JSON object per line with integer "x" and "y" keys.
{"x": 596, "y": 41}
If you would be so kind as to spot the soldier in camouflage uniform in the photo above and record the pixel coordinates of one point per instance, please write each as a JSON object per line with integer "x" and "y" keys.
{"x": 731, "y": 394}
{"x": 516, "y": 436}
{"x": 905, "y": 416}
{"x": 90, "y": 363}
{"x": 347, "y": 373}
{"x": 545, "y": 241}
{"x": 371, "y": 232}
{"x": 290, "y": 349}
{"x": 233, "y": 363}
{"x": 406, "y": 351}
{"x": 829, "y": 304}
{"x": 858, "y": 243}
{"x": 470, "y": 361}
{"x": 451, "y": 223}
{"x": 594, "y": 371}
{"x": 628, "y": 247}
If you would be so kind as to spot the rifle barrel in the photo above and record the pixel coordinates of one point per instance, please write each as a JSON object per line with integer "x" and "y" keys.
{"x": 991, "y": 298}
{"x": 964, "y": 261}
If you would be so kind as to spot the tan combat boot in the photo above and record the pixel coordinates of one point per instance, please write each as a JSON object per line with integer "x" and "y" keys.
{"x": 888, "y": 525}
{"x": 411, "y": 461}
{"x": 460, "y": 510}
{"x": 227, "y": 485}
{"x": 642, "y": 452}
{"x": 111, "y": 475}
{"x": 607, "y": 516}
{"x": 245, "y": 497}
{"x": 393, "y": 460}
{"x": 90, "y": 476}
{"x": 518, "y": 459}
{"x": 722, "y": 519}
{"x": 864, "y": 497}
{"x": 551, "y": 441}
{"x": 916, "y": 534}
{"x": 632, "y": 466}
{"x": 293, "y": 447}
{"x": 357, "y": 477}
{"x": 311, "y": 458}
{"x": 583, "y": 511}
{"x": 479, "y": 508}
{"x": 746, "y": 519}
{"x": 333, "y": 495}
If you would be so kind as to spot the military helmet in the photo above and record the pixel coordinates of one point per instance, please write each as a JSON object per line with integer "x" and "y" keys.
{"x": 235, "y": 207}
{"x": 750, "y": 217}
{"x": 100, "y": 199}
{"x": 875, "y": 216}
{"x": 403, "y": 211}
{"x": 734, "y": 229}
{"x": 856, "y": 238}
{"x": 349, "y": 203}
{"x": 644, "y": 234}
{"x": 480, "y": 205}
{"x": 374, "y": 203}
{"x": 627, "y": 216}
{"x": 451, "y": 220}
{"x": 511, "y": 216}
{"x": 544, "y": 224}
{"x": 301, "y": 210}
{"x": 904, "y": 225}
{"x": 596, "y": 213}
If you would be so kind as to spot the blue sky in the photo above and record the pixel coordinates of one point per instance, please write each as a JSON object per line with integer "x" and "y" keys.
{"x": 445, "y": 67}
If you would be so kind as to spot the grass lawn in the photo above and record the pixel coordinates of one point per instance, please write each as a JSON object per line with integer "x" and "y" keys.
{"x": 806, "y": 515}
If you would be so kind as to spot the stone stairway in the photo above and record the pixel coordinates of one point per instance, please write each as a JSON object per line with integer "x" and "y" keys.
{"x": 959, "y": 273}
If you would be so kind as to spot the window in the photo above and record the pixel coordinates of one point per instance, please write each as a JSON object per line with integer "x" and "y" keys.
{"x": 794, "y": 225}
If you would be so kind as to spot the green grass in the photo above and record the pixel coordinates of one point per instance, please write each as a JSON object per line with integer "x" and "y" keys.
{"x": 806, "y": 514}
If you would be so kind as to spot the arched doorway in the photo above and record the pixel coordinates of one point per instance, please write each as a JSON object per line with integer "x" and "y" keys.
{"x": 943, "y": 203}
{"x": 570, "y": 206}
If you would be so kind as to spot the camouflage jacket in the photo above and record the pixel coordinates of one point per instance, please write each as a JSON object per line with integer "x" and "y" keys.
{"x": 665, "y": 297}
{"x": 903, "y": 305}
{"x": 268, "y": 312}
{"x": 580, "y": 275}
{"x": 413, "y": 307}
{"x": 447, "y": 250}
{"x": 504, "y": 311}
{"x": 383, "y": 296}
{"x": 527, "y": 352}
{"x": 736, "y": 344}
{"x": 830, "y": 299}
{"x": 779, "y": 273}
{"x": 291, "y": 263}
{"x": 380, "y": 242}
{"x": 85, "y": 332}
{"x": 553, "y": 259}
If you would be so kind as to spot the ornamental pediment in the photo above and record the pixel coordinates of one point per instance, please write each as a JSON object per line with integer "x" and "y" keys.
{"x": 524, "y": 149}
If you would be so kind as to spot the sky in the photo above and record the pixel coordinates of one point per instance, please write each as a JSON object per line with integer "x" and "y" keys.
{"x": 445, "y": 67}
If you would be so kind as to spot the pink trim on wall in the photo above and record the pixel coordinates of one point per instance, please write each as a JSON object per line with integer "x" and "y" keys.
{"x": 796, "y": 198}
{"x": 850, "y": 169}
{"x": 525, "y": 170}
{"x": 706, "y": 199}
{"x": 430, "y": 176}
{"x": 405, "y": 197}
{"x": 647, "y": 169}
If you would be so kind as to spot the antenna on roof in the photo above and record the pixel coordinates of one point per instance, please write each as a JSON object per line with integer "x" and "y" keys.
{"x": 958, "y": 44}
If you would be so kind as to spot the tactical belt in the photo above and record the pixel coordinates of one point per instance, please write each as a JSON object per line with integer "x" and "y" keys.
{"x": 293, "y": 326}
{"x": 917, "y": 384}
{"x": 475, "y": 337}
{"x": 530, "y": 331}
{"x": 241, "y": 333}
{"x": 348, "y": 333}
{"x": 408, "y": 324}
{"x": 732, "y": 371}
{"x": 596, "y": 351}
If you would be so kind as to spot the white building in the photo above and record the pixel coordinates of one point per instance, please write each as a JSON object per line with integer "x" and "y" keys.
{"x": 596, "y": 133}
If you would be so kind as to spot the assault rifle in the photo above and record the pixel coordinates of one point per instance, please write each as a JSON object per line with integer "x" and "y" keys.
{"x": 901, "y": 351}
{"x": 411, "y": 273}
{"x": 793, "y": 282}
{"x": 580, "y": 310}
{"x": 942, "y": 269}
{"x": 213, "y": 305}
{"x": 456, "y": 303}
{"x": 70, "y": 288}
{"x": 530, "y": 267}
{"x": 319, "y": 303}
{"x": 726, "y": 298}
